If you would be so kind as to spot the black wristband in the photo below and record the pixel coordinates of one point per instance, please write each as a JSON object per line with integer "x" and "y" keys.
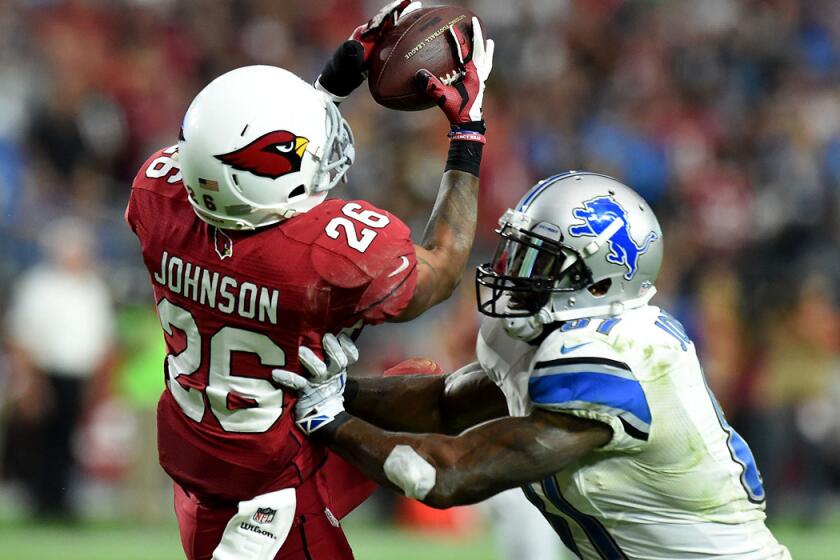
{"x": 327, "y": 433}
{"x": 466, "y": 147}
{"x": 472, "y": 126}
{"x": 344, "y": 71}
{"x": 351, "y": 389}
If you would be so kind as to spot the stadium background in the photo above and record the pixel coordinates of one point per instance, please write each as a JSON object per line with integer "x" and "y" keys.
{"x": 724, "y": 114}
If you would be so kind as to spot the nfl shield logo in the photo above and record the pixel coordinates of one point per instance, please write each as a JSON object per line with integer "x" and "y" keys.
{"x": 264, "y": 515}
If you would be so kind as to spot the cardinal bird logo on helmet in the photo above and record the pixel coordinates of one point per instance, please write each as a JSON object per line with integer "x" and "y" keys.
{"x": 272, "y": 155}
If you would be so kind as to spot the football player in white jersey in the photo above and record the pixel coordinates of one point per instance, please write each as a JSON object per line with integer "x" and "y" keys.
{"x": 604, "y": 417}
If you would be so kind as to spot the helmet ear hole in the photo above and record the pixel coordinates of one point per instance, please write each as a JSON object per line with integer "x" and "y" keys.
{"x": 297, "y": 191}
{"x": 600, "y": 289}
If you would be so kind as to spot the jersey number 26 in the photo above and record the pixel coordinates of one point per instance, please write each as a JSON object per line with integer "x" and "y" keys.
{"x": 358, "y": 241}
{"x": 264, "y": 402}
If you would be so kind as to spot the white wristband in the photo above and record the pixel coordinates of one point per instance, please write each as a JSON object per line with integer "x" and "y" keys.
{"x": 410, "y": 472}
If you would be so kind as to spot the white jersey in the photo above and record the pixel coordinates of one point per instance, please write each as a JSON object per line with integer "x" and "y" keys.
{"x": 675, "y": 481}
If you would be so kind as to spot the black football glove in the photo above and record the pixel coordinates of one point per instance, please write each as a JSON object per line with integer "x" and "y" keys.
{"x": 347, "y": 68}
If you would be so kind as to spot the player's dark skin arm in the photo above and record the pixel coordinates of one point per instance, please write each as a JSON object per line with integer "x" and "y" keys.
{"x": 447, "y": 241}
{"x": 481, "y": 462}
{"x": 446, "y": 404}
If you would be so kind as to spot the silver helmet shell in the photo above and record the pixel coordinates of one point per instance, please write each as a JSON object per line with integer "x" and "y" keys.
{"x": 577, "y": 245}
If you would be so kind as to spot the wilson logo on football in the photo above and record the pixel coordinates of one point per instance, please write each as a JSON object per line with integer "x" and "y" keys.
{"x": 272, "y": 155}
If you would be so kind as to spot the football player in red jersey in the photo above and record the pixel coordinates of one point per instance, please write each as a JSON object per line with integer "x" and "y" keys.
{"x": 249, "y": 261}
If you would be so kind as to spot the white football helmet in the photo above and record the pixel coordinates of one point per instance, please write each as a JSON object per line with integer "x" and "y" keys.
{"x": 259, "y": 145}
{"x": 577, "y": 245}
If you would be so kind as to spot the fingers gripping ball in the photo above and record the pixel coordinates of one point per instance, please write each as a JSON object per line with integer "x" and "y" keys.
{"x": 346, "y": 70}
{"x": 421, "y": 40}
{"x": 461, "y": 101}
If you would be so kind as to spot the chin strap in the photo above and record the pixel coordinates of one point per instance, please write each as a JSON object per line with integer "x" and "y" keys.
{"x": 528, "y": 328}
{"x": 614, "y": 308}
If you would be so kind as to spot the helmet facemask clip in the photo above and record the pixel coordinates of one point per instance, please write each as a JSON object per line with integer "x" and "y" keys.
{"x": 339, "y": 152}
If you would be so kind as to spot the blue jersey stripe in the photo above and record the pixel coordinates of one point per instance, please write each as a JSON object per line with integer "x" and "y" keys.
{"x": 750, "y": 478}
{"x": 558, "y": 523}
{"x": 604, "y": 544}
{"x": 607, "y": 325}
{"x": 741, "y": 454}
{"x": 591, "y": 386}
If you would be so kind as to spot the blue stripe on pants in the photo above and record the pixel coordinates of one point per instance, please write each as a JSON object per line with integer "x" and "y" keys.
{"x": 560, "y": 525}
{"x": 598, "y": 535}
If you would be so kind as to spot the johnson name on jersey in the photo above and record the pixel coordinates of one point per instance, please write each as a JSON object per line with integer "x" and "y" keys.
{"x": 675, "y": 480}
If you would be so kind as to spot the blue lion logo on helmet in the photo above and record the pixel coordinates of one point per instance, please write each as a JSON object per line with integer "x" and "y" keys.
{"x": 597, "y": 215}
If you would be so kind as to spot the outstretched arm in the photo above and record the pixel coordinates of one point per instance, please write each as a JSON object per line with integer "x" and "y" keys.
{"x": 447, "y": 241}
{"x": 440, "y": 470}
{"x": 444, "y": 471}
{"x": 448, "y": 238}
{"x": 447, "y": 404}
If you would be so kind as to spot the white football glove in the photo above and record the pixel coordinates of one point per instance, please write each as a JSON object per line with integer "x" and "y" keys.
{"x": 321, "y": 397}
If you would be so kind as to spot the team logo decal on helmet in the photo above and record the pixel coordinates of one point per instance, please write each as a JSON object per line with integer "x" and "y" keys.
{"x": 603, "y": 215}
{"x": 272, "y": 155}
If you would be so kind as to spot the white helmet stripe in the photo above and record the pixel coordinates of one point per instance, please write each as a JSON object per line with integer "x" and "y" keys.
{"x": 603, "y": 237}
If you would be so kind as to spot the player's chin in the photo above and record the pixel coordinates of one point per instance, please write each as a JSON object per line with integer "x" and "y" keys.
{"x": 524, "y": 302}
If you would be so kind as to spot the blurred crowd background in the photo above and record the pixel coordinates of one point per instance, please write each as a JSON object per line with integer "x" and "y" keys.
{"x": 723, "y": 114}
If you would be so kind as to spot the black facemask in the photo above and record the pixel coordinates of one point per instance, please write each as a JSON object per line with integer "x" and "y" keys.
{"x": 526, "y": 269}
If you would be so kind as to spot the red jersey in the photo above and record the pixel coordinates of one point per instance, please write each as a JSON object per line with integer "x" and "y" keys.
{"x": 235, "y": 305}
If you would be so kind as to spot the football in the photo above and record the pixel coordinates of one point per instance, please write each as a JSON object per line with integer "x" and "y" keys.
{"x": 414, "y": 366}
{"x": 421, "y": 40}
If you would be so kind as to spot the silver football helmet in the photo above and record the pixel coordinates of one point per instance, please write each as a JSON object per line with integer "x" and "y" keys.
{"x": 576, "y": 245}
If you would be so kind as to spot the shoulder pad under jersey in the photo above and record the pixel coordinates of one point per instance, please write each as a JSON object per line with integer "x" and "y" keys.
{"x": 580, "y": 373}
{"x": 497, "y": 351}
{"x": 161, "y": 173}
{"x": 354, "y": 243}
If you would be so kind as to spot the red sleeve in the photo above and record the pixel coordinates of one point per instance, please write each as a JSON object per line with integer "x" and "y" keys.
{"x": 381, "y": 272}
{"x": 132, "y": 212}
{"x": 132, "y": 216}
{"x": 390, "y": 293}
{"x": 159, "y": 174}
